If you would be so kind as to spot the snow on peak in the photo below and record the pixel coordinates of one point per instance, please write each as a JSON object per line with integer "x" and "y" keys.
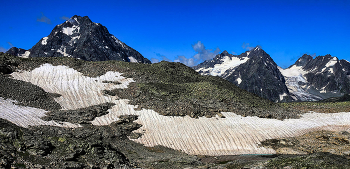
{"x": 44, "y": 41}
{"x": 76, "y": 19}
{"x": 329, "y": 65}
{"x": 70, "y": 30}
{"x": 257, "y": 48}
{"x": 332, "y": 62}
{"x": 132, "y": 59}
{"x": 228, "y": 63}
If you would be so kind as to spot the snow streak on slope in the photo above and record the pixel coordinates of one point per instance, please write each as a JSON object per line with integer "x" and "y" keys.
{"x": 207, "y": 136}
{"x": 227, "y": 63}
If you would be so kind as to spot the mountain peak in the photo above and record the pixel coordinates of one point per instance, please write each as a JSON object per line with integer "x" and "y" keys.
{"x": 303, "y": 60}
{"x": 79, "y": 37}
{"x": 224, "y": 53}
{"x": 258, "y": 51}
{"x": 77, "y": 20}
{"x": 257, "y": 48}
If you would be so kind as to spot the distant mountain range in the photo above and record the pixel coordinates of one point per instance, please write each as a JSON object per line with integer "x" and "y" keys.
{"x": 79, "y": 37}
{"x": 307, "y": 80}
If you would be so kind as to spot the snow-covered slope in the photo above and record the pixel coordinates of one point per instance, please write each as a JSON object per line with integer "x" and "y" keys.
{"x": 207, "y": 136}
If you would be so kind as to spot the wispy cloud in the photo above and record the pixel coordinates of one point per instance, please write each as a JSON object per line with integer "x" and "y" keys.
{"x": 64, "y": 18}
{"x": 154, "y": 60}
{"x": 294, "y": 58}
{"x": 187, "y": 61}
{"x": 164, "y": 58}
{"x": 247, "y": 46}
{"x": 44, "y": 19}
{"x": 2, "y": 49}
{"x": 10, "y": 44}
{"x": 203, "y": 53}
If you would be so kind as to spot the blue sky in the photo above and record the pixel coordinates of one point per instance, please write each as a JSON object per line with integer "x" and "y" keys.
{"x": 192, "y": 31}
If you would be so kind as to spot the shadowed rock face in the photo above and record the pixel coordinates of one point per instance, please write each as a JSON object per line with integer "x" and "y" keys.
{"x": 330, "y": 77}
{"x": 256, "y": 73}
{"x": 79, "y": 37}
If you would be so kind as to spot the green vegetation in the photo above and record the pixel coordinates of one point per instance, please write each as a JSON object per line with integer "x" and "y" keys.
{"x": 316, "y": 161}
{"x": 320, "y": 107}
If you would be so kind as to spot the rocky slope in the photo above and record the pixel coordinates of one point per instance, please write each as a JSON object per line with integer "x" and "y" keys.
{"x": 254, "y": 71}
{"x": 79, "y": 37}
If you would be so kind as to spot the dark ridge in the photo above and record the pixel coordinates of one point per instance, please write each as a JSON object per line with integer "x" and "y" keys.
{"x": 16, "y": 51}
{"x": 81, "y": 116}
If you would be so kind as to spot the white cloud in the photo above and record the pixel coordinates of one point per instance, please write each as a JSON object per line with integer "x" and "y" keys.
{"x": 154, "y": 60}
{"x": 163, "y": 58}
{"x": 247, "y": 46}
{"x": 64, "y": 18}
{"x": 203, "y": 53}
{"x": 44, "y": 19}
{"x": 187, "y": 61}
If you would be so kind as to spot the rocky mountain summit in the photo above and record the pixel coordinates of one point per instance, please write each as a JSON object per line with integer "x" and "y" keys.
{"x": 79, "y": 37}
{"x": 254, "y": 71}
{"x": 310, "y": 79}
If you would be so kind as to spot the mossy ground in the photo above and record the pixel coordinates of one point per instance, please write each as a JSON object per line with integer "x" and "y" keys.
{"x": 320, "y": 107}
